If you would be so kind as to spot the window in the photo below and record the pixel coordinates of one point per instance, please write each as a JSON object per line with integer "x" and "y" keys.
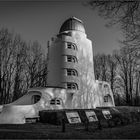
{"x": 36, "y": 98}
{"x": 71, "y": 58}
{"x": 72, "y": 86}
{"x": 72, "y": 72}
{"x": 100, "y": 85}
{"x": 105, "y": 98}
{"x": 52, "y": 102}
{"x": 55, "y": 101}
{"x": 106, "y": 89}
{"x": 71, "y": 46}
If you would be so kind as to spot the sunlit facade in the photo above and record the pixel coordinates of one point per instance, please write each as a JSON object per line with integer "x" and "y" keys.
{"x": 71, "y": 82}
{"x": 70, "y": 65}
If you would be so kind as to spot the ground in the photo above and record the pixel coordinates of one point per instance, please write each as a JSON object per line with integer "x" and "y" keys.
{"x": 46, "y": 131}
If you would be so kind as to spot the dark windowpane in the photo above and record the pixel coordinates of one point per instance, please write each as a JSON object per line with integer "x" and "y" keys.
{"x": 105, "y": 98}
{"x": 72, "y": 86}
{"x": 71, "y": 59}
{"x": 36, "y": 98}
{"x": 52, "y": 102}
{"x": 58, "y": 102}
{"x": 68, "y": 72}
{"x": 55, "y": 102}
{"x": 71, "y": 46}
{"x": 72, "y": 72}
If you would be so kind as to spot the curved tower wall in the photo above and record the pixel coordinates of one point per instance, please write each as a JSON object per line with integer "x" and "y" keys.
{"x": 70, "y": 65}
{"x": 58, "y": 64}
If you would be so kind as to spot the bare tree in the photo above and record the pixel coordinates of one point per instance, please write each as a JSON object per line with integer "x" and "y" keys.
{"x": 35, "y": 65}
{"x": 20, "y": 56}
{"x": 112, "y": 66}
{"x": 126, "y": 70}
{"x": 100, "y": 67}
{"x": 22, "y": 65}
{"x": 122, "y": 13}
{"x": 125, "y": 14}
{"x": 7, "y": 64}
{"x": 105, "y": 68}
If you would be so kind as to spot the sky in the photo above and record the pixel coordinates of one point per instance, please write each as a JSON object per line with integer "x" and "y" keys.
{"x": 41, "y": 20}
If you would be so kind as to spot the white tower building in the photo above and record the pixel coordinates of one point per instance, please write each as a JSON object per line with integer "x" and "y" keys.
{"x": 70, "y": 65}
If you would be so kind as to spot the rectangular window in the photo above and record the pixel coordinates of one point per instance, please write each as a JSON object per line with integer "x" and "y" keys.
{"x": 69, "y": 59}
{"x": 69, "y": 46}
{"x": 52, "y": 102}
{"x": 69, "y": 85}
{"x": 69, "y": 72}
{"x": 58, "y": 102}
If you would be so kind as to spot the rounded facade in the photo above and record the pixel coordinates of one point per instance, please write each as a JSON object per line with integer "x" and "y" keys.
{"x": 70, "y": 71}
{"x": 63, "y": 69}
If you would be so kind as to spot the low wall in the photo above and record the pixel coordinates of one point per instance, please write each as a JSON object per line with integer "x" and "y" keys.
{"x": 105, "y": 115}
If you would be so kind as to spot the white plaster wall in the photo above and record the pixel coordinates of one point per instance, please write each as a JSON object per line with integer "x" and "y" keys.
{"x": 89, "y": 95}
{"x": 55, "y": 63}
{"x": 16, "y": 112}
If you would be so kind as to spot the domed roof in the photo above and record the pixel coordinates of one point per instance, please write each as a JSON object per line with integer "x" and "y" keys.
{"x": 72, "y": 24}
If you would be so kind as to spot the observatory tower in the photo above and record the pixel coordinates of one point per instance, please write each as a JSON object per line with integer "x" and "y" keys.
{"x": 70, "y": 65}
{"x": 71, "y": 82}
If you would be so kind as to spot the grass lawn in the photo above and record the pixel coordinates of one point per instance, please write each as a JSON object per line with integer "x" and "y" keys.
{"x": 47, "y": 131}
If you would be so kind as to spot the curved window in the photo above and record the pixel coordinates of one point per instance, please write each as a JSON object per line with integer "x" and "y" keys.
{"x": 71, "y": 58}
{"x": 72, "y": 86}
{"x": 57, "y": 102}
{"x": 71, "y": 46}
{"x": 72, "y": 72}
{"x": 36, "y": 98}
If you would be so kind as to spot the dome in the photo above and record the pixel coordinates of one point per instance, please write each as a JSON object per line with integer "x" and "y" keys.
{"x": 72, "y": 24}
